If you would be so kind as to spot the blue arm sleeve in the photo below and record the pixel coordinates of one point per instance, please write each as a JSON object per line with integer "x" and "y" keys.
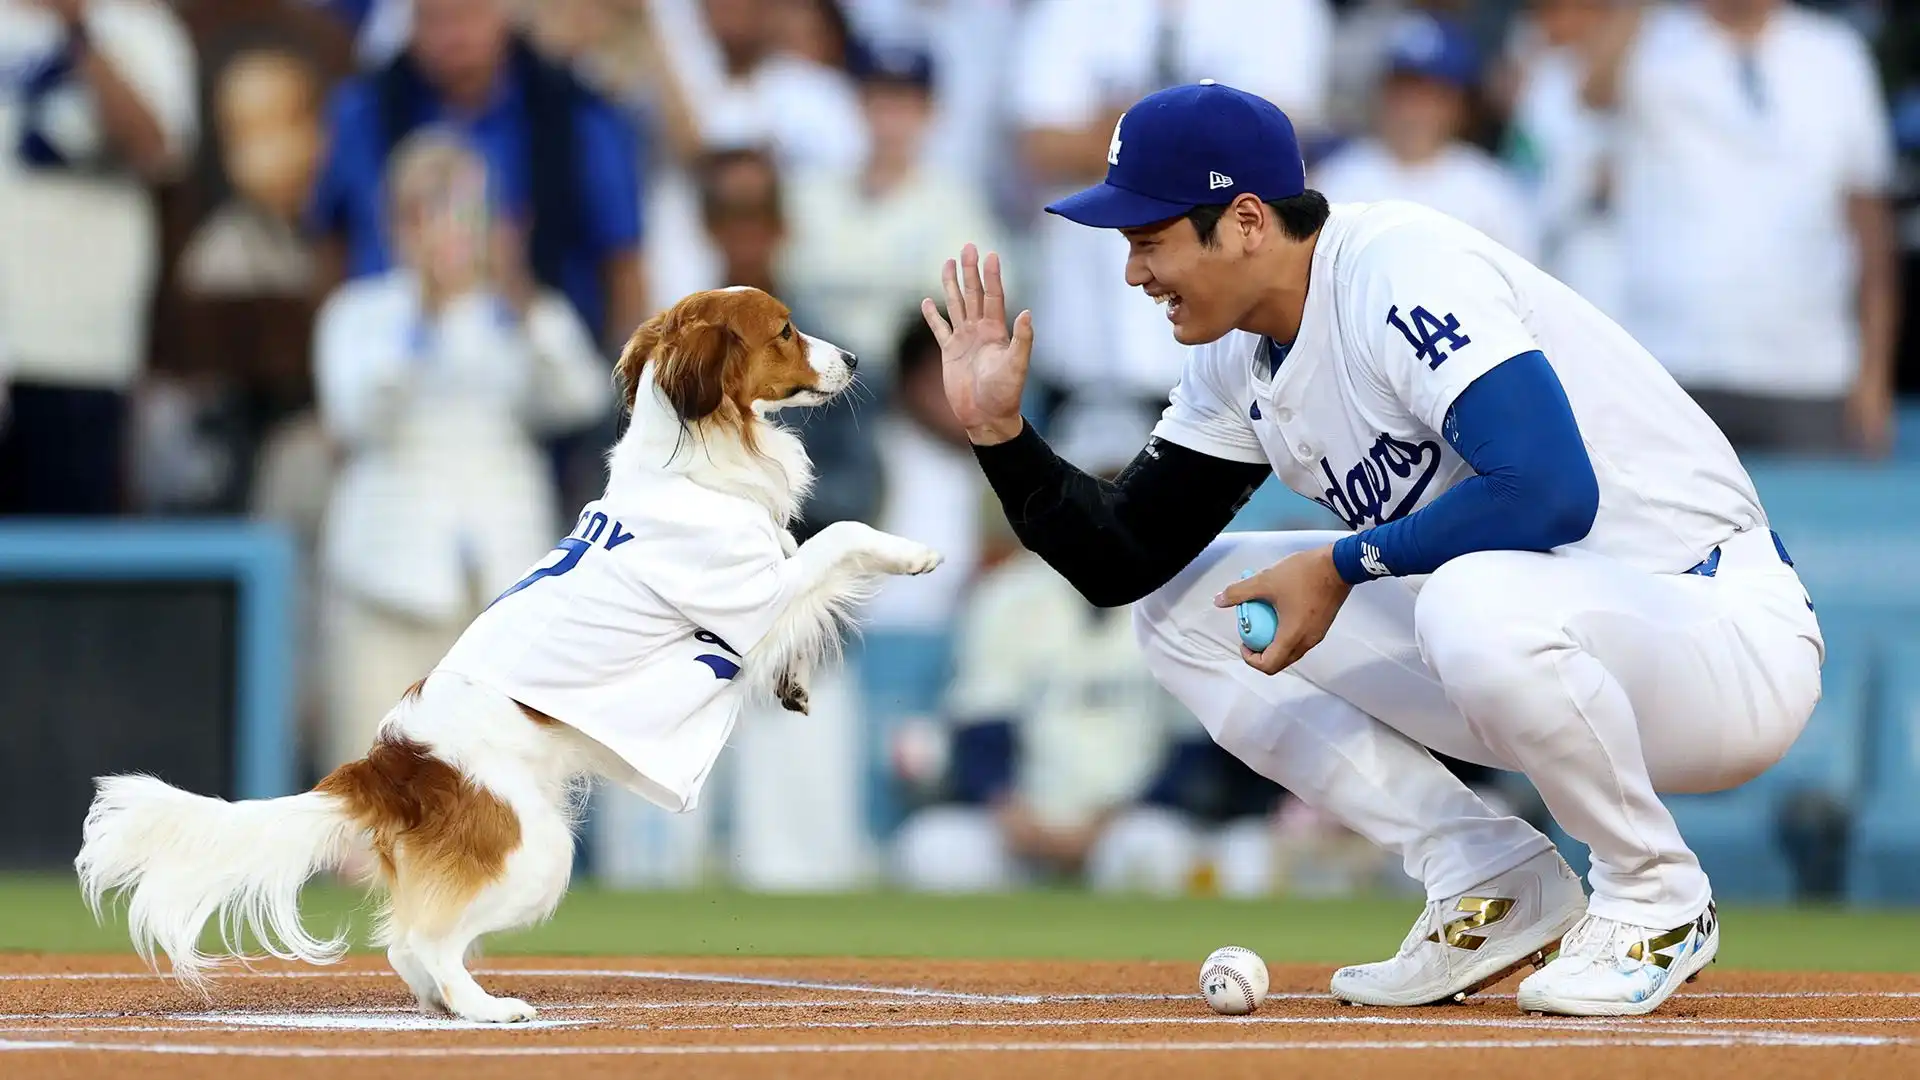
{"x": 1534, "y": 489}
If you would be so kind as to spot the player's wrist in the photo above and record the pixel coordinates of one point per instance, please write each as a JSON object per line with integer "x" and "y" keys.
{"x": 995, "y": 432}
{"x": 1349, "y": 560}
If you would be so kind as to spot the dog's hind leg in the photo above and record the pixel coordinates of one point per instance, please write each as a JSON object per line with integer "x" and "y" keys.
{"x": 399, "y": 950}
{"x": 526, "y": 891}
{"x": 408, "y": 966}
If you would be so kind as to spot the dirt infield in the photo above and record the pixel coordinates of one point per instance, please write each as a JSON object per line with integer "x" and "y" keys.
{"x": 73, "y": 1017}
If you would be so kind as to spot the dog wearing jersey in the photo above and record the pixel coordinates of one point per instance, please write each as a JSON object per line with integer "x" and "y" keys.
{"x": 626, "y": 655}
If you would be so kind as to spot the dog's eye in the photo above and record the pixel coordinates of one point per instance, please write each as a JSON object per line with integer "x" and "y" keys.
{"x": 786, "y": 332}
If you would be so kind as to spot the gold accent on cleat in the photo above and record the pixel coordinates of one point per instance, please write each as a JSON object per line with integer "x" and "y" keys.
{"x": 1653, "y": 950}
{"x": 1481, "y": 912}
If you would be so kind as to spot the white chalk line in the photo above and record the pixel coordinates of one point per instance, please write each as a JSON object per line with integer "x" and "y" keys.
{"x": 583, "y": 973}
{"x": 688, "y": 1004}
{"x": 924, "y": 993}
{"x": 1647, "y": 1025}
{"x": 207, "y": 1050}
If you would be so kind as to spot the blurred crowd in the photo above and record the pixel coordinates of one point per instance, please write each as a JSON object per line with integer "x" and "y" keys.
{"x": 361, "y": 266}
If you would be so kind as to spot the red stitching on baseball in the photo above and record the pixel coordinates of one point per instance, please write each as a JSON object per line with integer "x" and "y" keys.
{"x": 1239, "y": 979}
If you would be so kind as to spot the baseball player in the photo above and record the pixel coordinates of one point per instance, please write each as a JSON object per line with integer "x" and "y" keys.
{"x": 1556, "y": 565}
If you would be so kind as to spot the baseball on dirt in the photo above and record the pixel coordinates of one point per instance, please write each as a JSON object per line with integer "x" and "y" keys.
{"x": 1234, "y": 980}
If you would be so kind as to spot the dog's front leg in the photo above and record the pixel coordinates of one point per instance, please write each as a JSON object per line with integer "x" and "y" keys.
{"x": 836, "y": 569}
{"x": 791, "y": 687}
{"x": 868, "y": 552}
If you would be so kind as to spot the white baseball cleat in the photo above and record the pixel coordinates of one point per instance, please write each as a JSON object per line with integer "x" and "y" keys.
{"x": 1609, "y": 968}
{"x": 1467, "y": 943}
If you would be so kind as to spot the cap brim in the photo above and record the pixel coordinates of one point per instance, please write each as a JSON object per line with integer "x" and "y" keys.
{"x": 1104, "y": 206}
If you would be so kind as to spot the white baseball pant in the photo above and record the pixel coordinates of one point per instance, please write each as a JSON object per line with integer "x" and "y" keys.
{"x": 1604, "y": 684}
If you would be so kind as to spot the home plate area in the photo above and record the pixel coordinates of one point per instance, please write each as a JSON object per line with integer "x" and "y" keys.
{"x": 96, "y": 1016}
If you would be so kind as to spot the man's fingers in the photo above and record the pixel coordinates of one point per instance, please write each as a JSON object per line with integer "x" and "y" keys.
{"x": 1244, "y": 589}
{"x": 1264, "y": 662}
{"x": 970, "y": 287}
{"x": 1279, "y": 655}
{"x": 1023, "y": 332}
{"x": 930, "y": 311}
{"x": 950, "y": 284}
{"x": 995, "y": 309}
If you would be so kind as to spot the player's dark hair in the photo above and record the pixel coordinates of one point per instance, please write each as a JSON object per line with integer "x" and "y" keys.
{"x": 1300, "y": 216}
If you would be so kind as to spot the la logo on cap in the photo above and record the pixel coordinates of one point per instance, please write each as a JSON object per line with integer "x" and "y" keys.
{"x": 1113, "y": 148}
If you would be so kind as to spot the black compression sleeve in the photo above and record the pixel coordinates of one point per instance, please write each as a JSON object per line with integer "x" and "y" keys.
{"x": 1116, "y": 541}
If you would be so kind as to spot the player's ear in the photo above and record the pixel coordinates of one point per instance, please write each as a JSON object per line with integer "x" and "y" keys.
{"x": 1249, "y": 218}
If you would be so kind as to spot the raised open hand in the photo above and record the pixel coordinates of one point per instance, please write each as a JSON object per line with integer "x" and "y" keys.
{"x": 984, "y": 368}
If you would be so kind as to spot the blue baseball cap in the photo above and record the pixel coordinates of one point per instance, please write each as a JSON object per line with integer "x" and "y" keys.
{"x": 899, "y": 64}
{"x": 1188, "y": 146}
{"x": 1433, "y": 48}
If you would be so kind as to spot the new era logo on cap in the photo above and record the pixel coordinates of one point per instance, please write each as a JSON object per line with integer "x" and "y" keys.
{"x": 1245, "y": 139}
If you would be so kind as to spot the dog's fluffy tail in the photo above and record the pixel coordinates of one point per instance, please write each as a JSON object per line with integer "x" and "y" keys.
{"x": 186, "y": 858}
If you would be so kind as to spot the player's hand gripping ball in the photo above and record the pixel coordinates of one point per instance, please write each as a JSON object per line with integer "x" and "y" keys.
{"x": 1258, "y": 621}
{"x": 1234, "y": 980}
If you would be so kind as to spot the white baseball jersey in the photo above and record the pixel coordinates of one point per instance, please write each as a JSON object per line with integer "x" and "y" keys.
{"x": 1714, "y": 136}
{"x": 633, "y": 628}
{"x": 1405, "y": 309}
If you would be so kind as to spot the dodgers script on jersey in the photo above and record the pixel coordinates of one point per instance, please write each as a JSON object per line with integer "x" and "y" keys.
{"x": 632, "y": 629}
{"x": 1405, "y": 309}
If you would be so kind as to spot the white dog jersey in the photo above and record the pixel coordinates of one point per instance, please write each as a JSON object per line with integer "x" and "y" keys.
{"x": 633, "y": 628}
{"x": 1407, "y": 307}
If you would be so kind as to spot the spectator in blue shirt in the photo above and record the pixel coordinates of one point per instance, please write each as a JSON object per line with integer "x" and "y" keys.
{"x": 566, "y": 162}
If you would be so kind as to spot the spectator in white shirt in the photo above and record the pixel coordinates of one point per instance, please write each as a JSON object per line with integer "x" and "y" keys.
{"x": 743, "y": 90}
{"x": 1078, "y": 65}
{"x": 1754, "y": 159}
{"x": 1416, "y": 152}
{"x": 437, "y": 380}
{"x": 867, "y": 242}
{"x": 97, "y": 100}
{"x": 1563, "y": 147}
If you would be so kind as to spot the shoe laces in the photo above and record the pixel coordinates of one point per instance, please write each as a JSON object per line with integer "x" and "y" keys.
{"x": 1423, "y": 927}
{"x": 1430, "y": 922}
{"x": 1599, "y": 939}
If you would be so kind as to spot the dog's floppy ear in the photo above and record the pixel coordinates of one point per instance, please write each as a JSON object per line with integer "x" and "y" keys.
{"x": 695, "y": 374}
{"x": 626, "y": 373}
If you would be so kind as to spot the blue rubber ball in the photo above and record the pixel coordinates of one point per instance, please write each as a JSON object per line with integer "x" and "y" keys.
{"x": 1258, "y": 621}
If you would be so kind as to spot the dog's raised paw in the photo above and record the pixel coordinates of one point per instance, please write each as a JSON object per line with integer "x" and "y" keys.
{"x": 793, "y": 696}
{"x": 917, "y": 560}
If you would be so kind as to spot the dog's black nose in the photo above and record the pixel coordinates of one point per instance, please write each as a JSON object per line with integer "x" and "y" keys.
{"x": 849, "y": 359}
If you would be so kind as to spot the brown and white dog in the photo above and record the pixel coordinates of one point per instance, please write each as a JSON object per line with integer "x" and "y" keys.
{"x": 468, "y": 796}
